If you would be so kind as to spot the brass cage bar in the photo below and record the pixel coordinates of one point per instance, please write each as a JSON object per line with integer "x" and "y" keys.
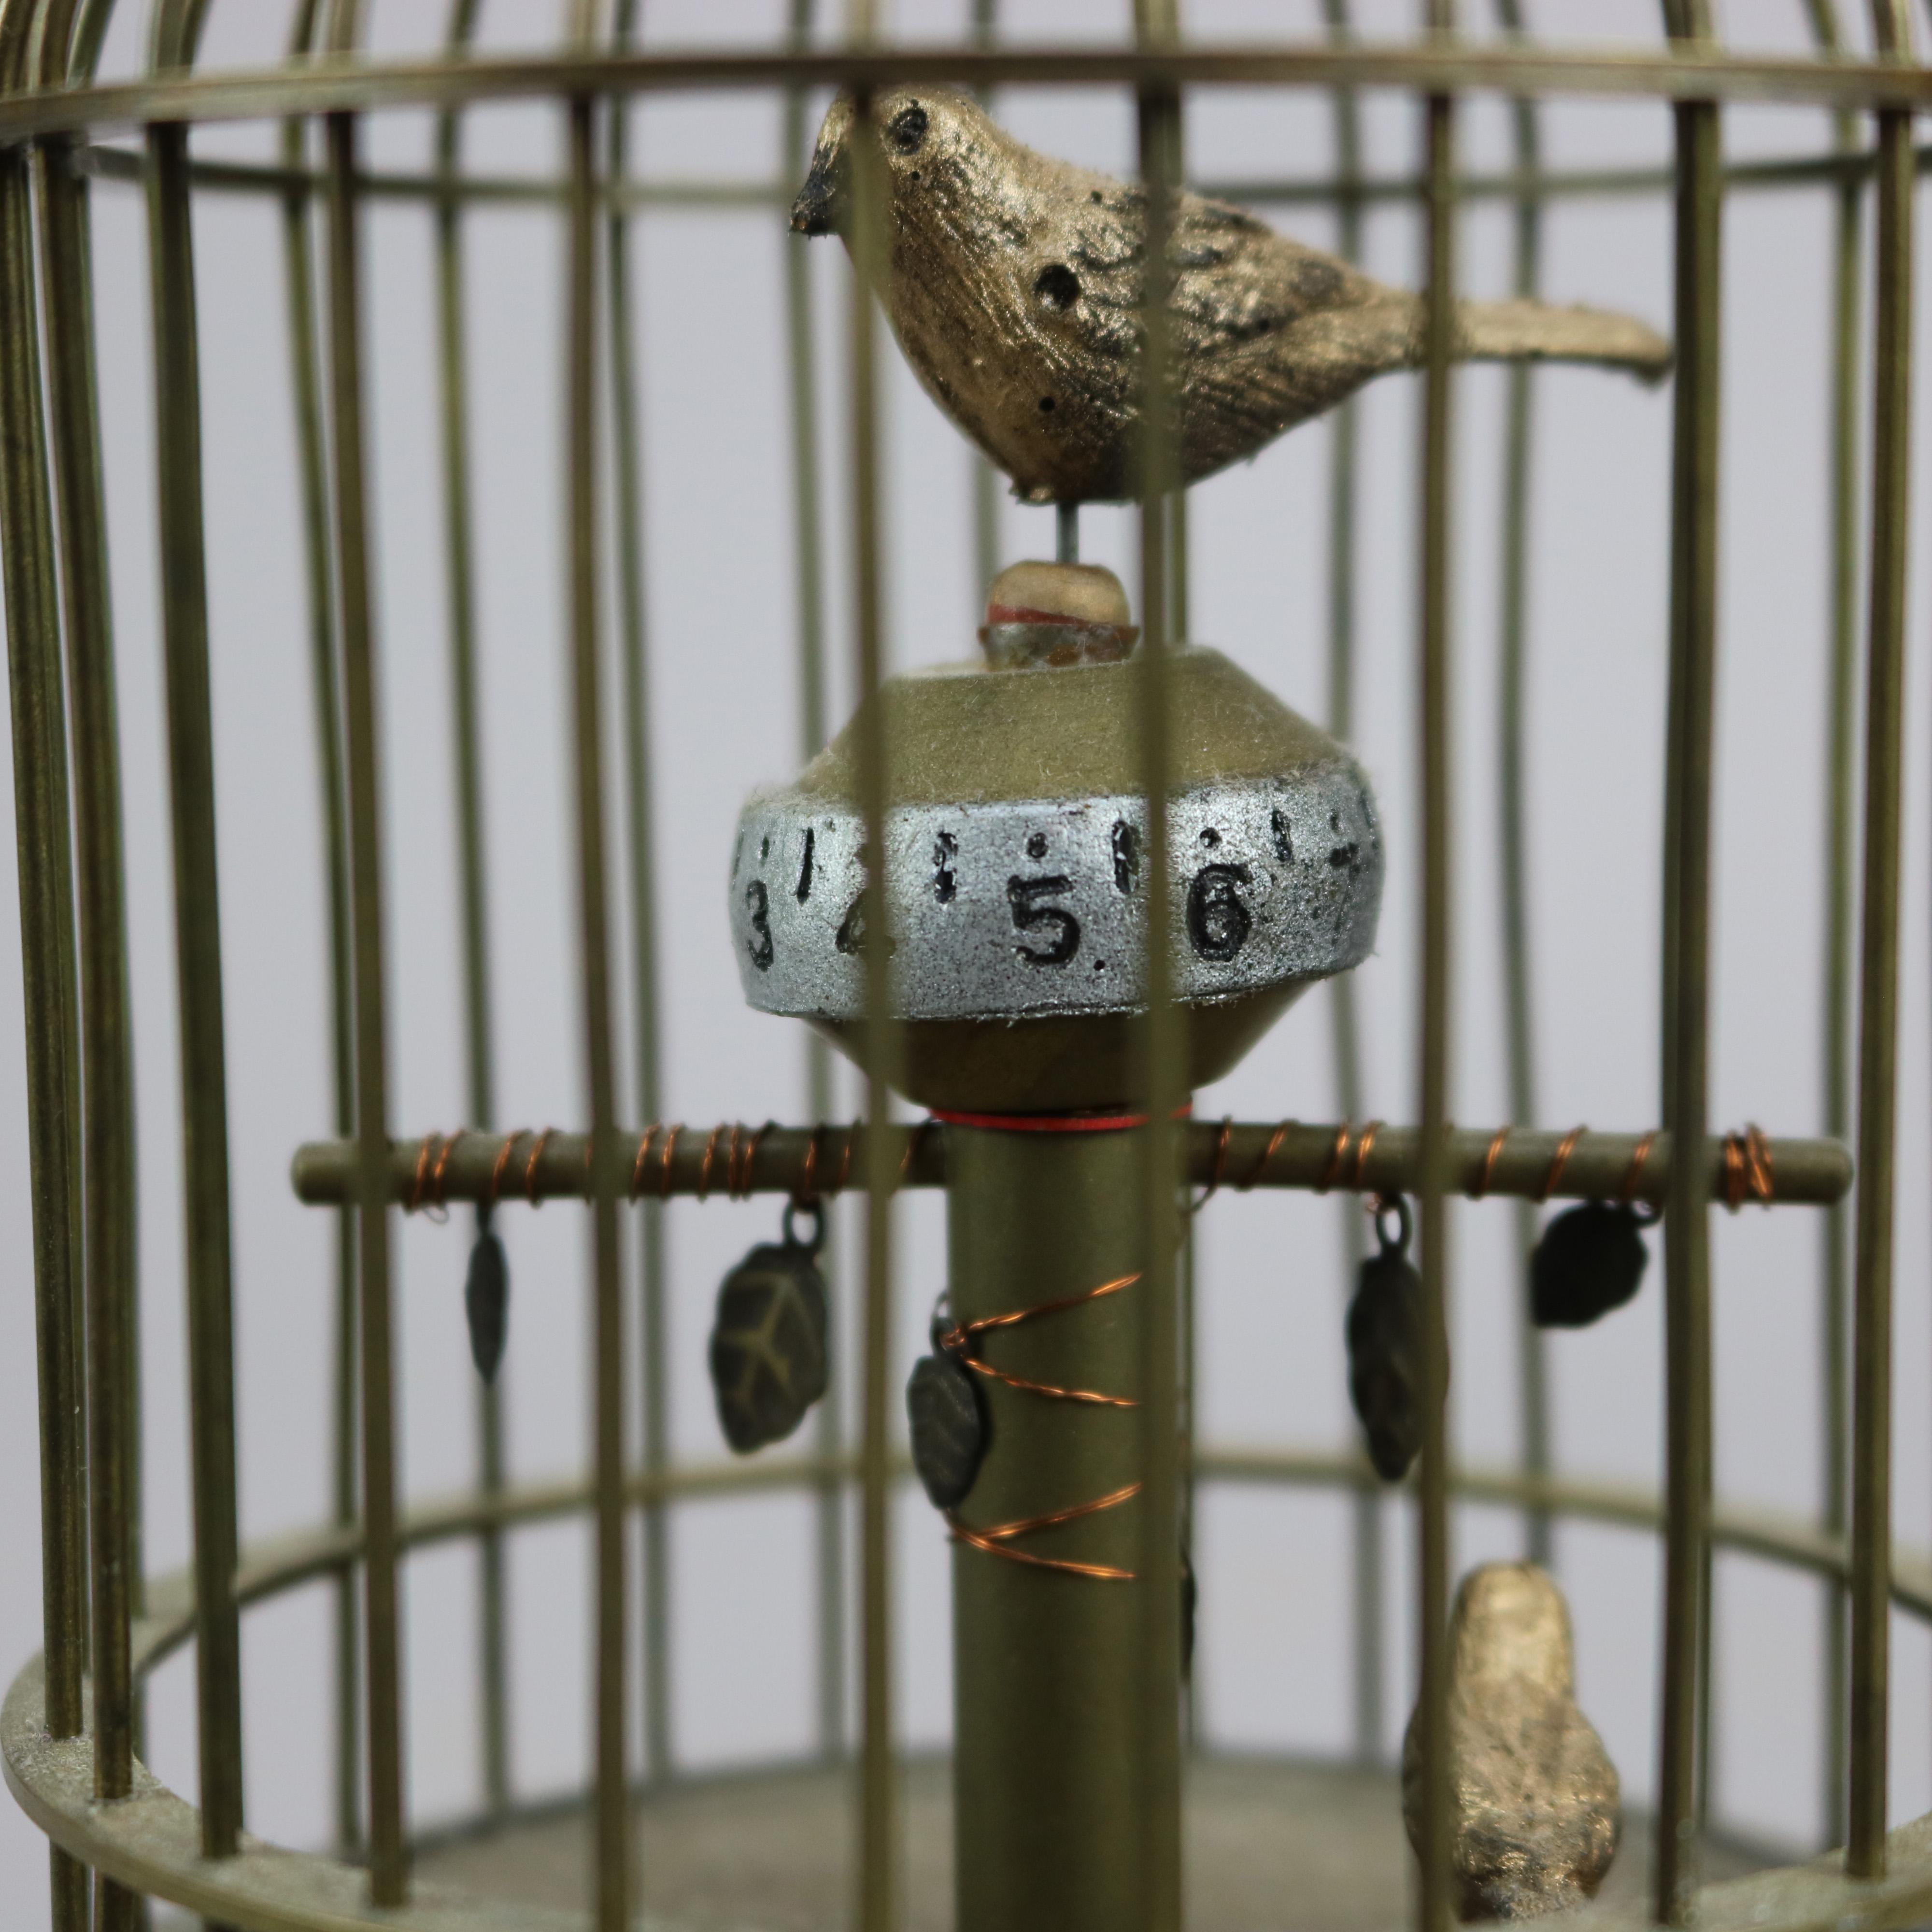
{"x": 1434, "y": 1903}
{"x": 612, "y": 1797}
{"x": 627, "y": 477}
{"x": 1687, "y": 921}
{"x": 388, "y": 1873}
{"x": 1367, "y": 1581}
{"x": 1158, "y": 1568}
{"x": 1878, "y": 1003}
{"x": 879, "y": 1862}
{"x": 305, "y": 383}
{"x": 198, "y": 942}
{"x": 50, "y": 974}
{"x": 472, "y": 873}
{"x": 1839, "y": 888}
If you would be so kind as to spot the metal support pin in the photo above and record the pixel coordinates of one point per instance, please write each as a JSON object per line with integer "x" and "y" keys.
{"x": 1066, "y": 533}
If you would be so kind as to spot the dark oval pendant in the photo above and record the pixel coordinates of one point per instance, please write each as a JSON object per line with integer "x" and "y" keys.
{"x": 1590, "y": 1260}
{"x": 768, "y": 1345}
{"x": 1385, "y": 1361}
{"x": 949, "y": 1430}
{"x": 486, "y": 1302}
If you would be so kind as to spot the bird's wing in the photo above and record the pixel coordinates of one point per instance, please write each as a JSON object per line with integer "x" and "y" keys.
{"x": 1236, "y": 281}
{"x": 1271, "y": 332}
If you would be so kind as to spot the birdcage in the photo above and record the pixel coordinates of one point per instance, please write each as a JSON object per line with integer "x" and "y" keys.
{"x": 1070, "y": 1812}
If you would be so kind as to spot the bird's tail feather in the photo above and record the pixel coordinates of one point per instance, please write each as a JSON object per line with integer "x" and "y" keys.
{"x": 1533, "y": 331}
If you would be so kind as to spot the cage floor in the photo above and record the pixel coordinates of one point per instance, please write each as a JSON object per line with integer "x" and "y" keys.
{"x": 1269, "y": 1847}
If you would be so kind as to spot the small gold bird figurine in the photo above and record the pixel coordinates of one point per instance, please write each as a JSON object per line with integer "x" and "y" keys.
{"x": 1534, "y": 1816}
{"x": 1014, "y": 285}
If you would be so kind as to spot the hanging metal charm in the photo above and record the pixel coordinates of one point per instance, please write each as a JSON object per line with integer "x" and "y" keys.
{"x": 1590, "y": 1260}
{"x": 946, "y": 1411}
{"x": 769, "y": 1355}
{"x": 486, "y": 1300}
{"x": 1385, "y": 1346}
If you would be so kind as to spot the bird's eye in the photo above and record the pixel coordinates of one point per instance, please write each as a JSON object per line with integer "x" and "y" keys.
{"x": 1056, "y": 286}
{"x": 907, "y": 129}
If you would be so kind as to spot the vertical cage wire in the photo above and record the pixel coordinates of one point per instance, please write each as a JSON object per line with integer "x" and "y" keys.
{"x": 49, "y": 973}
{"x": 611, "y": 1784}
{"x": 1686, "y": 975}
{"x": 802, "y": 374}
{"x": 191, "y": 734}
{"x": 1878, "y": 966}
{"x": 1512, "y": 774}
{"x": 878, "y": 1901}
{"x": 472, "y": 869}
{"x": 1835, "y": 1057}
{"x": 388, "y": 1857}
{"x": 1157, "y": 28}
{"x": 627, "y": 466}
{"x": 305, "y": 386}
{"x": 1370, "y": 1617}
{"x": 1433, "y": 1900}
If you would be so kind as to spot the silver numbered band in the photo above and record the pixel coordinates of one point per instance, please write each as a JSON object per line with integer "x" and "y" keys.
{"x": 1035, "y": 906}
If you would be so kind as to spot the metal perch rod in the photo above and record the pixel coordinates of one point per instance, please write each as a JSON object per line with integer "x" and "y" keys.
{"x": 1526, "y": 1163}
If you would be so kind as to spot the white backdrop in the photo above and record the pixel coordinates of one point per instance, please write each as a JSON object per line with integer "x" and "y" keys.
{"x": 1276, "y": 1640}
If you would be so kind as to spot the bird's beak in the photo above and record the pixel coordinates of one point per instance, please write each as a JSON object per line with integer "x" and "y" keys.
{"x": 821, "y": 203}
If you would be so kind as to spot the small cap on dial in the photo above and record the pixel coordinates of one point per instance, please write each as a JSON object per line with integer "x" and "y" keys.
{"x": 1049, "y": 614}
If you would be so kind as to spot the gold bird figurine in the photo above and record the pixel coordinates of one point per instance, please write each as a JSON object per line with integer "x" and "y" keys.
{"x": 1533, "y": 1795}
{"x": 1014, "y": 285}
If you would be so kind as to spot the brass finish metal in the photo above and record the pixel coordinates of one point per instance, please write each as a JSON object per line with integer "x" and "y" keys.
{"x": 1840, "y": 885}
{"x": 49, "y": 978}
{"x": 628, "y": 479}
{"x": 1432, "y": 1830}
{"x": 389, "y": 1878}
{"x": 340, "y": 85}
{"x": 305, "y": 383}
{"x": 874, "y": 753}
{"x": 606, "y": 1374}
{"x": 1291, "y": 1153}
{"x": 1512, "y": 856}
{"x": 473, "y": 874}
{"x": 1344, "y": 492}
{"x": 1534, "y": 1797}
{"x": 829, "y": 1424}
{"x": 153, "y": 1842}
{"x": 1687, "y": 970}
{"x": 1029, "y": 345}
{"x": 1879, "y": 946}
{"x": 1050, "y": 1761}
{"x": 1161, "y": 472}
{"x": 198, "y": 974}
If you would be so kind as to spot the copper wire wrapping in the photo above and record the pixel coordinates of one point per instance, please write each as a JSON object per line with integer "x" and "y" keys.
{"x": 643, "y": 1155}
{"x": 710, "y": 1154}
{"x": 1633, "y": 1178}
{"x": 1268, "y": 1152}
{"x": 1362, "y": 1148}
{"x": 422, "y": 1174}
{"x": 500, "y": 1167}
{"x": 1218, "y": 1172}
{"x": 544, "y": 1140}
{"x": 1747, "y": 1168}
{"x": 1490, "y": 1159}
{"x": 1553, "y": 1179}
{"x": 1333, "y": 1172}
{"x": 996, "y": 1541}
{"x": 915, "y": 1140}
{"x": 439, "y": 1208}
